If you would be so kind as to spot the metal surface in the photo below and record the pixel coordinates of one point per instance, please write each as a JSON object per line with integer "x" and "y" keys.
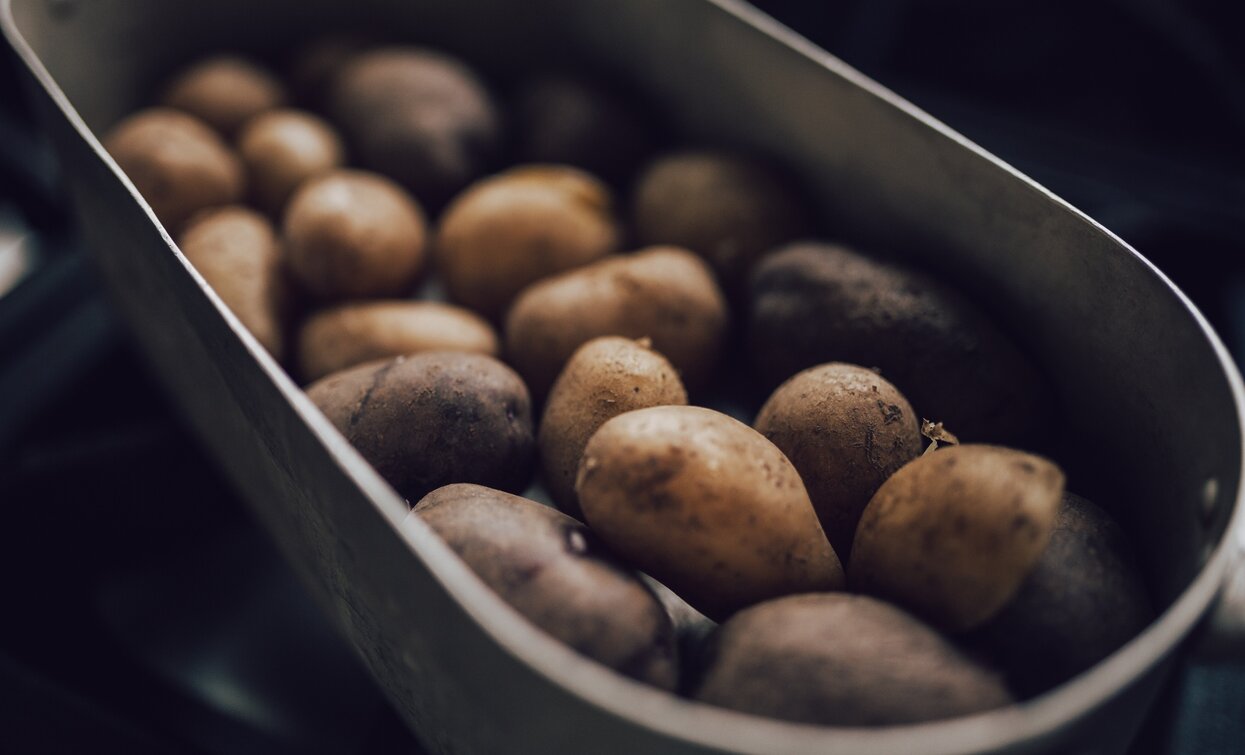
{"x": 1153, "y": 404}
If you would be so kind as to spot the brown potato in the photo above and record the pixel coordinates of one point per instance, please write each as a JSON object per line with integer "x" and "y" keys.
{"x": 846, "y": 430}
{"x": 177, "y": 163}
{"x": 434, "y": 419}
{"x": 553, "y": 571}
{"x": 604, "y": 378}
{"x": 664, "y": 294}
{"x": 283, "y": 148}
{"x": 952, "y": 535}
{"x": 225, "y": 92}
{"x": 842, "y": 660}
{"x": 706, "y": 505}
{"x": 356, "y": 332}
{"x": 350, "y": 233}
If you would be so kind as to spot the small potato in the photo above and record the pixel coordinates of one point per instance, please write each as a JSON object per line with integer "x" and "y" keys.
{"x": 283, "y": 148}
{"x": 434, "y": 419}
{"x": 236, "y": 251}
{"x": 664, "y": 294}
{"x": 224, "y": 91}
{"x": 707, "y": 506}
{"x": 842, "y": 660}
{"x": 551, "y": 569}
{"x": 604, "y": 378}
{"x": 351, "y": 234}
{"x": 846, "y": 430}
{"x": 177, "y": 163}
{"x": 518, "y": 227}
{"x": 356, "y": 332}
{"x": 953, "y": 534}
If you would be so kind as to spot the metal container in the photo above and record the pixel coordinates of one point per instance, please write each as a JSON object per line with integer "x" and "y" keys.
{"x": 1152, "y": 398}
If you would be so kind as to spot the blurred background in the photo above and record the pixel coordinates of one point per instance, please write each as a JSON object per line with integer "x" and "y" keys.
{"x": 145, "y": 612}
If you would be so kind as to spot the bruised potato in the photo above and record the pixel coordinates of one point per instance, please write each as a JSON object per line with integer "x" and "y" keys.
{"x": 283, "y": 148}
{"x": 551, "y": 569}
{"x": 225, "y": 92}
{"x": 707, "y": 506}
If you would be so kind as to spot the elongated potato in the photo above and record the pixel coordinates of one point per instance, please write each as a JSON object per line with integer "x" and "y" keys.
{"x": 225, "y": 92}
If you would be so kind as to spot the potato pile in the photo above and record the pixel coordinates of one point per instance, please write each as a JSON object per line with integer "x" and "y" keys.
{"x": 482, "y": 291}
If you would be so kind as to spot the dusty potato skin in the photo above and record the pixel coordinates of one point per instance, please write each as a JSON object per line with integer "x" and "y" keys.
{"x": 434, "y": 419}
{"x": 707, "y": 506}
{"x": 281, "y": 149}
{"x": 176, "y": 162}
{"x": 846, "y": 430}
{"x": 349, "y": 334}
{"x": 665, "y": 294}
{"x": 552, "y": 570}
{"x": 224, "y": 91}
{"x": 350, "y": 233}
{"x": 952, "y": 535}
{"x": 842, "y": 660}
{"x": 813, "y": 303}
{"x": 606, "y": 377}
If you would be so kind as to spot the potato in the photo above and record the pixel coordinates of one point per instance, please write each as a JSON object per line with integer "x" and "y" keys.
{"x": 177, "y": 163}
{"x": 236, "y": 251}
{"x": 350, "y": 233}
{"x": 706, "y": 505}
{"x": 551, "y": 569}
{"x": 224, "y": 91}
{"x": 728, "y": 208}
{"x": 842, "y": 660}
{"x": 283, "y": 148}
{"x": 952, "y": 535}
{"x": 846, "y": 430}
{"x": 664, "y": 294}
{"x": 813, "y": 303}
{"x": 604, "y": 378}
{"x": 433, "y": 419}
{"x": 513, "y": 229}
{"x": 363, "y": 331}
{"x": 419, "y": 117}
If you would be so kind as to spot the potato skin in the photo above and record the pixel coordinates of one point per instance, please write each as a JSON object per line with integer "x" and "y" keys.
{"x": 953, "y": 534}
{"x": 225, "y": 91}
{"x": 665, "y": 294}
{"x": 605, "y": 377}
{"x": 846, "y": 430}
{"x": 552, "y": 570}
{"x": 842, "y": 660}
{"x": 707, "y": 506}
{"x": 281, "y": 149}
{"x": 434, "y": 419}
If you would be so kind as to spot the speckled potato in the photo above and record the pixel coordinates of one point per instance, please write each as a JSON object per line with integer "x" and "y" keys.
{"x": 842, "y": 660}
{"x": 952, "y": 535}
{"x": 605, "y": 377}
{"x": 665, "y": 294}
{"x": 707, "y": 506}
{"x": 350, "y": 233}
{"x": 434, "y": 419}
{"x": 846, "y": 430}
{"x": 281, "y": 149}
{"x": 225, "y": 92}
{"x": 348, "y": 334}
{"x": 552, "y": 570}
{"x": 176, "y": 162}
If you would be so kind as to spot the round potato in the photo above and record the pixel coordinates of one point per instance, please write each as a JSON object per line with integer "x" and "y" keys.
{"x": 350, "y": 234}
{"x": 283, "y": 148}
{"x": 225, "y": 92}
{"x": 356, "y": 332}
{"x": 551, "y": 569}
{"x": 664, "y": 294}
{"x": 846, "y": 430}
{"x": 952, "y": 535}
{"x": 177, "y": 163}
{"x": 706, "y": 505}
{"x": 842, "y": 660}
{"x": 513, "y": 229}
{"x": 434, "y": 419}
{"x": 606, "y": 377}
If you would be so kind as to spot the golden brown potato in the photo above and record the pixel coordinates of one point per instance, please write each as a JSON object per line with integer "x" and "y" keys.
{"x": 356, "y": 332}
{"x": 552, "y": 570}
{"x": 952, "y": 535}
{"x": 350, "y": 234}
{"x": 225, "y": 92}
{"x": 664, "y": 294}
{"x": 706, "y": 505}
{"x": 281, "y": 149}
{"x": 846, "y": 430}
{"x": 604, "y": 378}
{"x": 177, "y": 163}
